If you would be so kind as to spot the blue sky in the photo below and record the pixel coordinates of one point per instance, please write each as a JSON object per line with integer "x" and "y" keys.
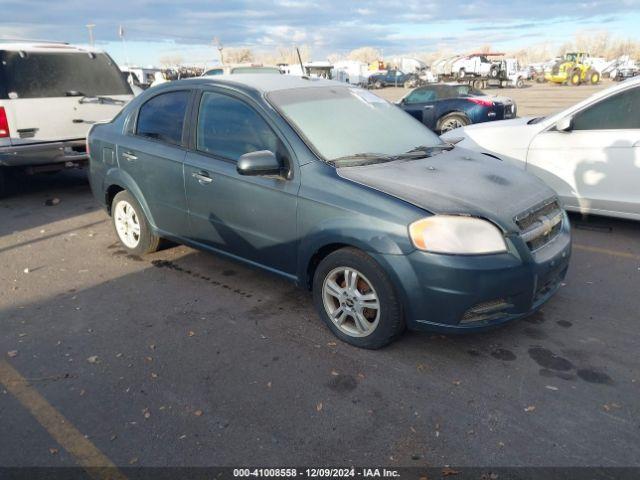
{"x": 160, "y": 28}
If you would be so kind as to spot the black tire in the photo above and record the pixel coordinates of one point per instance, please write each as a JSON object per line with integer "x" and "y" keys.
{"x": 462, "y": 73}
{"x": 3, "y": 184}
{"x": 378, "y": 84}
{"x": 391, "y": 320}
{"x": 519, "y": 83}
{"x": 575, "y": 78}
{"x": 147, "y": 241}
{"x": 593, "y": 77}
{"x": 444, "y": 123}
{"x": 494, "y": 71}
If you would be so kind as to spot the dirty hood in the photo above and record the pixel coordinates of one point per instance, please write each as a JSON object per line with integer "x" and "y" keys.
{"x": 458, "y": 181}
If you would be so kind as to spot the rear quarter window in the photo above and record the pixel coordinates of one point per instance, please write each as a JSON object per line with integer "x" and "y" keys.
{"x": 162, "y": 117}
{"x": 59, "y": 74}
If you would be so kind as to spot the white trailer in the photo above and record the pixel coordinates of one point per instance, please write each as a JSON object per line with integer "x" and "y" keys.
{"x": 351, "y": 71}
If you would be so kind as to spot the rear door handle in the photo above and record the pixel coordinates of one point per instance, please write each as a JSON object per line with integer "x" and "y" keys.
{"x": 129, "y": 156}
{"x": 202, "y": 177}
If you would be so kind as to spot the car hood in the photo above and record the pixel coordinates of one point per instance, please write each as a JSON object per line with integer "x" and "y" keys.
{"x": 457, "y": 182}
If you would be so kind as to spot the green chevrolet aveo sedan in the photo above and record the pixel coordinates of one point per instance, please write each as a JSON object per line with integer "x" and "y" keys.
{"x": 338, "y": 191}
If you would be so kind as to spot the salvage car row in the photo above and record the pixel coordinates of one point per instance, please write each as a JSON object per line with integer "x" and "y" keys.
{"x": 342, "y": 192}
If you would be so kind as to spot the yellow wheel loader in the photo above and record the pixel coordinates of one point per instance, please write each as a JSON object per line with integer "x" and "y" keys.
{"x": 574, "y": 69}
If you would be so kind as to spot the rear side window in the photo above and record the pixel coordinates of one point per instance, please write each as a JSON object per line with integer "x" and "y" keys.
{"x": 49, "y": 74}
{"x": 229, "y": 128}
{"x": 162, "y": 117}
{"x": 614, "y": 113}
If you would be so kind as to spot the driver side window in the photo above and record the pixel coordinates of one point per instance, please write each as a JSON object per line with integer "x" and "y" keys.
{"x": 229, "y": 128}
{"x": 614, "y": 113}
{"x": 420, "y": 96}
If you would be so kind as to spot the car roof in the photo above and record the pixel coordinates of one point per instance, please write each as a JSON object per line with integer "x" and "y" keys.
{"x": 42, "y": 46}
{"x": 263, "y": 82}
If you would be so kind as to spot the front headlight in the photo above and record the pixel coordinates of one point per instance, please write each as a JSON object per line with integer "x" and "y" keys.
{"x": 456, "y": 235}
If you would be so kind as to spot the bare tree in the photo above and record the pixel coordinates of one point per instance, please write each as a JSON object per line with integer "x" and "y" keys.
{"x": 365, "y": 54}
{"x": 238, "y": 55}
{"x": 171, "y": 60}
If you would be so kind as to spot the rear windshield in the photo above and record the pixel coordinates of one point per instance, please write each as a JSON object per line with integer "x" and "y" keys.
{"x": 47, "y": 74}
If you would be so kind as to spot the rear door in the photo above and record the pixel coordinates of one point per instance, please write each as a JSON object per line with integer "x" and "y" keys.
{"x": 252, "y": 217}
{"x": 596, "y": 165}
{"x": 51, "y": 94}
{"x": 153, "y": 153}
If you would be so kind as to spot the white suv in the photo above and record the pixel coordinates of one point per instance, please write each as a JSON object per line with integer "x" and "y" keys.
{"x": 50, "y": 95}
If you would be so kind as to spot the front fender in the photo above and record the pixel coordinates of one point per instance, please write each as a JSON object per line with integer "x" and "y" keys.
{"x": 116, "y": 176}
{"x": 375, "y": 237}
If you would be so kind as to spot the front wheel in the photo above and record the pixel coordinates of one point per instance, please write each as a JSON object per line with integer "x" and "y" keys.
{"x": 594, "y": 77}
{"x": 378, "y": 84}
{"x": 131, "y": 225}
{"x": 355, "y": 298}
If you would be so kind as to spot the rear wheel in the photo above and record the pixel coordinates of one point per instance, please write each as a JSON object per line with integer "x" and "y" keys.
{"x": 131, "y": 225}
{"x": 451, "y": 122}
{"x": 356, "y": 299}
{"x": 378, "y": 84}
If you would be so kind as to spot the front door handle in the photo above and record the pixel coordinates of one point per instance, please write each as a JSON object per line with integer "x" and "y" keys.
{"x": 129, "y": 156}
{"x": 202, "y": 177}
{"x": 428, "y": 107}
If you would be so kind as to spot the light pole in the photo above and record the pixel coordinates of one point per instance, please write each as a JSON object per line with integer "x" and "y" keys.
{"x": 90, "y": 27}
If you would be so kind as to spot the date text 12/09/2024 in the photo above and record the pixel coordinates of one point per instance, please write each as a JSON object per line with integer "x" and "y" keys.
{"x": 315, "y": 473}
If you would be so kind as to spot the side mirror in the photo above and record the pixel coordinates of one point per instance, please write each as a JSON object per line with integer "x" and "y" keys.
{"x": 565, "y": 124}
{"x": 262, "y": 162}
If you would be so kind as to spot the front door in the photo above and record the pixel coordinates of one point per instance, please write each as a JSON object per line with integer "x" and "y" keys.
{"x": 596, "y": 164}
{"x": 420, "y": 104}
{"x": 251, "y": 217}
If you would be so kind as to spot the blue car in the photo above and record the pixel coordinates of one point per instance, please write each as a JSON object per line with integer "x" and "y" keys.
{"x": 445, "y": 107}
{"x": 338, "y": 191}
{"x": 390, "y": 78}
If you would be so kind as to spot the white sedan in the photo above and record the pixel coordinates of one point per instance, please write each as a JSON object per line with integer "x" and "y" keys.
{"x": 589, "y": 153}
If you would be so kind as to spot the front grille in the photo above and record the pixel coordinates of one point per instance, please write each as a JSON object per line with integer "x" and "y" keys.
{"x": 541, "y": 225}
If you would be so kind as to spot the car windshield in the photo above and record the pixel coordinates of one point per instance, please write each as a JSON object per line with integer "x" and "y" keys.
{"x": 342, "y": 123}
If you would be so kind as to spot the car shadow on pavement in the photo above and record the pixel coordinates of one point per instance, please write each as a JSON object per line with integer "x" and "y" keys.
{"x": 36, "y": 200}
{"x": 191, "y": 359}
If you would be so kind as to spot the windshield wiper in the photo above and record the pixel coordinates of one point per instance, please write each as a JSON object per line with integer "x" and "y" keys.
{"x": 361, "y": 159}
{"x": 423, "y": 151}
{"x": 101, "y": 100}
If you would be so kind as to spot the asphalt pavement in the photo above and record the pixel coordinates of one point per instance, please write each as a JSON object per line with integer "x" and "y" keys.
{"x": 182, "y": 358}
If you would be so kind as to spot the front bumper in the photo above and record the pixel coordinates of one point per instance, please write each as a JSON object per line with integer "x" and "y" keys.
{"x": 45, "y": 153}
{"x": 456, "y": 293}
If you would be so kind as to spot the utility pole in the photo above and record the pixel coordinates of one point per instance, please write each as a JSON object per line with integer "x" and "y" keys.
{"x": 90, "y": 27}
{"x": 216, "y": 42}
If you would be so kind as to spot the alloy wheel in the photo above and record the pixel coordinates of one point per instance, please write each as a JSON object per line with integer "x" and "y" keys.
{"x": 127, "y": 224}
{"x": 351, "y": 302}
